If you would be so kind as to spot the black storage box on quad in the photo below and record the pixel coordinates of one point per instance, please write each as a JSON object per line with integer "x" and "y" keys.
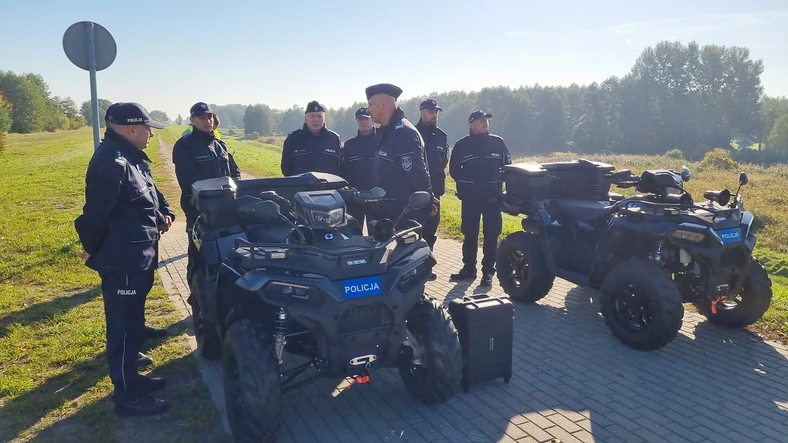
{"x": 579, "y": 179}
{"x": 485, "y": 324}
{"x": 526, "y": 180}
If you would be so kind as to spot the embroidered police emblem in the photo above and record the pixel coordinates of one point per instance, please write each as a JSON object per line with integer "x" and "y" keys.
{"x": 407, "y": 163}
{"x": 204, "y": 106}
{"x": 316, "y": 108}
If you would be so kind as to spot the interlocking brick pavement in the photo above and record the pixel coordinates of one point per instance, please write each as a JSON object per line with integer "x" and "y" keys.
{"x": 573, "y": 381}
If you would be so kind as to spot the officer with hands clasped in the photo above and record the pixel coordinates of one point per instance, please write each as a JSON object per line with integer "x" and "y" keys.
{"x": 476, "y": 166}
{"x": 436, "y": 148}
{"x": 122, "y": 220}
{"x": 199, "y": 155}
{"x": 399, "y": 167}
{"x": 357, "y": 159}
{"x": 313, "y": 148}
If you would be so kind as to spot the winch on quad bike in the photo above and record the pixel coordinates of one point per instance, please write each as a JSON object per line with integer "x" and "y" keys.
{"x": 289, "y": 272}
{"x": 648, "y": 253}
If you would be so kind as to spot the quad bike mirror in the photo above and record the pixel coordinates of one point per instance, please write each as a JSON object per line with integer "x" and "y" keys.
{"x": 743, "y": 180}
{"x": 685, "y": 173}
{"x": 419, "y": 200}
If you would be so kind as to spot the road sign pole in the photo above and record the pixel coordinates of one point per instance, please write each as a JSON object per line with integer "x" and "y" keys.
{"x": 93, "y": 93}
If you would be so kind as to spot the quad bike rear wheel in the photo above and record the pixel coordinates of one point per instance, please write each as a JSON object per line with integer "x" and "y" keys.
{"x": 252, "y": 385}
{"x": 522, "y": 268}
{"x": 641, "y": 305}
{"x": 433, "y": 371}
{"x": 749, "y": 306}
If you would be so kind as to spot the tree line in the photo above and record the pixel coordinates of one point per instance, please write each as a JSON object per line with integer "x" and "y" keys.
{"x": 676, "y": 96}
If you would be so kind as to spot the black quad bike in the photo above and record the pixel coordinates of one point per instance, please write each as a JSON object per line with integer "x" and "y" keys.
{"x": 648, "y": 253}
{"x": 287, "y": 270}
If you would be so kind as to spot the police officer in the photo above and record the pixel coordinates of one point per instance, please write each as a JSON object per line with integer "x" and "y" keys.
{"x": 189, "y": 129}
{"x": 198, "y": 156}
{"x": 122, "y": 220}
{"x": 399, "y": 166}
{"x": 313, "y": 148}
{"x": 436, "y": 148}
{"x": 476, "y": 166}
{"x": 357, "y": 160}
{"x": 149, "y": 332}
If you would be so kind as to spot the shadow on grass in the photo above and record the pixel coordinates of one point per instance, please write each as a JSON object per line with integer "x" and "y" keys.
{"x": 192, "y": 415}
{"x": 45, "y": 310}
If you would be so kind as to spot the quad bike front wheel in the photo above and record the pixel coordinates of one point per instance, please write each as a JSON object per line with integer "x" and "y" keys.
{"x": 433, "y": 370}
{"x": 641, "y": 305}
{"x": 209, "y": 343}
{"x": 522, "y": 268}
{"x": 748, "y": 306}
{"x": 252, "y": 385}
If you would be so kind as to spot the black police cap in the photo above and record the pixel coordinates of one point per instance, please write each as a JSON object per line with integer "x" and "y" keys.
{"x": 109, "y": 110}
{"x": 362, "y": 112}
{"x": 383, "y": 88}
{"x": 132, "y": 114}
{"x": 200, "y": 108}
{"x": 478, "y": 114}
{"x": 430, "y": 104}
{"x": 314, "y": 106}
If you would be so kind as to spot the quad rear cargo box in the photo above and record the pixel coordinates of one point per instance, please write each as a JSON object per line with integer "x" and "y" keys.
{"x": 571, "y": 179}
{"x": 215, "y": 197}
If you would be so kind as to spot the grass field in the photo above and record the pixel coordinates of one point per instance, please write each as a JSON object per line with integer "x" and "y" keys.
{"x": 766, "y": 196}
{"x": 54, "y": 384}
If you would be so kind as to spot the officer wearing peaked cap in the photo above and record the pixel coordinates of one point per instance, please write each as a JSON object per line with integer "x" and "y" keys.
{"x": 313, "y": 148}
{"x": 399, "y": 166}
{"x": 121, "y": 222}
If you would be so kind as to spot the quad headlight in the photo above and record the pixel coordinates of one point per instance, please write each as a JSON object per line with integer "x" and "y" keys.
{"x": 692, "y": 236}
{"x": 327, "y": 219}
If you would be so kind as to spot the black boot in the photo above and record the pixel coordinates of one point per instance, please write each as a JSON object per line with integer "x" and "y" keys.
{"x": 486, "y": 279}
{"x": 141, "y": 406}
{"x": 150, "y": 384}
{"x": 465, "y": 274}
{"x": 143, "y": 360}
{"x": 151, "y": 332}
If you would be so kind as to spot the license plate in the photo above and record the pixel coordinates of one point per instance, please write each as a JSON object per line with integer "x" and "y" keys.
{"x": 362, "y": 287}
{"x": 730, "y": 235}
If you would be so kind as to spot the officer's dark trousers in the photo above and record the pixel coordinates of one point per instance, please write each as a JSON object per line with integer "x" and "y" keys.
{"x": 357, "y": 212}
{"x": 431, "y": 227}
{"x": 124, "y": 308}
{"x": 471, "y": 213}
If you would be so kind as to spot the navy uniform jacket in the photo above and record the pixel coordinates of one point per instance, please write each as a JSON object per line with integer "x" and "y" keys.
{"x": 119, "y": 225}
{"x": 436, "y": 147}
{"x": 399, "y": 165}
{"x": 199, "y": 156}
{"x": 304, "y": 151}
{"x": 358, "y": 156}
{"x": 477, "y": 166}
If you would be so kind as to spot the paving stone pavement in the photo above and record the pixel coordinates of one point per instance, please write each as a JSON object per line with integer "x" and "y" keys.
{"x": 573, "y": 381}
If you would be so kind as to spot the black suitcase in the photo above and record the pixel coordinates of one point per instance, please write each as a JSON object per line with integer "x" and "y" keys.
{"x": 485, "y": 324}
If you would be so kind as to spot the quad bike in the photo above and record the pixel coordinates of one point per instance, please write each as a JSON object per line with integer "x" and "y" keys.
{"x": 648, "y": 253}
{"x": 287, "y": 270}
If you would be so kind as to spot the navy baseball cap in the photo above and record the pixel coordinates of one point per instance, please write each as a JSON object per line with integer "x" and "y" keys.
{"x": 475, "y": 115}
{"x": 199, "y": 109}
{"x": 132, "y": 114}
{"x": 362, "y": 112}
{"x": 109, "y": 111}
{"x": 430, "y": 104}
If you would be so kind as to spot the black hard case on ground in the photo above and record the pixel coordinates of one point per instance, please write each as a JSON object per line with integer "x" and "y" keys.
{"x": 485, "y": 324}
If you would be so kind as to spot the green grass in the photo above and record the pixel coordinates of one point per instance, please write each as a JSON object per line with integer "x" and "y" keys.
{"x": 54, "y": 381}
{"x": 766, "y": 196}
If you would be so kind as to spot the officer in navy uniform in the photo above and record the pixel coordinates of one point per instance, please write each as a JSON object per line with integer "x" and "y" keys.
{"x": 357, "y": 160}
{"x": 436, "y": 148}
{"x": 122, "y": 220}
{"x": 313, "y": 148}
{"x": 399, "y": 166}
{"x": 199, "y": 155}
{"x": 476, "y": 165}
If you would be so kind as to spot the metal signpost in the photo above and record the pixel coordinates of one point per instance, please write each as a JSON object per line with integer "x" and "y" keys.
{"x": 90, "y": 47}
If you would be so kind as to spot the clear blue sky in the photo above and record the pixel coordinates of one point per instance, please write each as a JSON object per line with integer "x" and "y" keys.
{"x": 174, "y": 53}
